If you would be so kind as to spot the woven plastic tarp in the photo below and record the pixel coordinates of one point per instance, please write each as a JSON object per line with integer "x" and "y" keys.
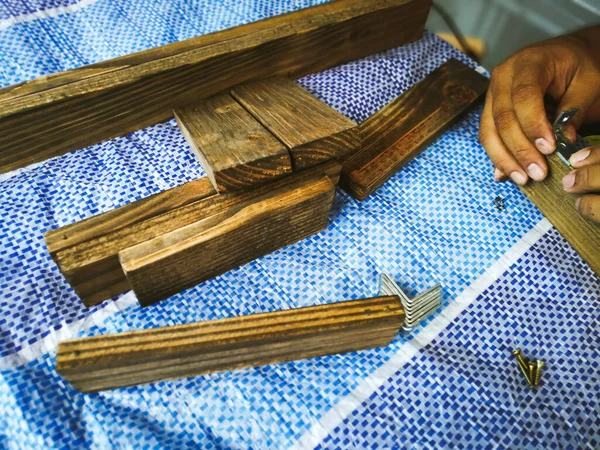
{"x": 509, "y": 279}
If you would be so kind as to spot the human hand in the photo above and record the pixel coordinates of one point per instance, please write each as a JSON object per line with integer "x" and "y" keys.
{"x": 514, "y": 128}
{"x": 585, "y": 179}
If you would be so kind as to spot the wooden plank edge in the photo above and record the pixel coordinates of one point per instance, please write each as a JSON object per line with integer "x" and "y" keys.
{"x": 559, "y": 208}
{"x": 318, "y": 336}
{"x": 101, "y": 224}
{"x": 459, "y": 98}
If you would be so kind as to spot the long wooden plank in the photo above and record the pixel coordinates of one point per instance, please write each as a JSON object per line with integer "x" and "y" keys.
{"x": 394, "y": 135}
{"x": 236, "y": 151}
{"x": 87, "y": 252}
{"x": 67, "y": 112}
{"x": 172, "y": 262}
{"x": 312, "y": 131}
{"x": 126, "y": 359}
{"x": 559, "y": 207}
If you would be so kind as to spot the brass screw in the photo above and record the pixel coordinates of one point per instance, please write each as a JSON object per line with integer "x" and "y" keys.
{"x": 524, "y": 366}
{"x": 538, "y": 373}
{"x": 531, "y": 365}
{"x": 517, "y": 353}
{"x": 522, "y": 362}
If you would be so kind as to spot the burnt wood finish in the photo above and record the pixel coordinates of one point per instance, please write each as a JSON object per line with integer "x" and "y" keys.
{"x": 127, "y": 359}
{"x": 394, "y": 135}
{"x": 236, "y": 151}
{"x": 127, "y": 215}
{"x": 559, "y": 207}
{"x": 254, "y": 226}
{"x": 312, "y": 131}
{"x": 86, "y": 252}
{"x": 53, "y": 115}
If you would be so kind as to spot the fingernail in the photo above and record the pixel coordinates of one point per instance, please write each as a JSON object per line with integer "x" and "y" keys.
{"x": 518, "y": 178}
{"x": 569, "y": 180}
{"x": 579, "y": 156}
{"x": 497, "y": 174}
{"x": 577, "y": 202}
{"x": 536, "y": 172}
{"x": 544, "y": 146}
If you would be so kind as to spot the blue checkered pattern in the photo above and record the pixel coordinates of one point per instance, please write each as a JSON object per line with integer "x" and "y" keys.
{"x": 435, "y": 221}
{"x": 465, "y": 391}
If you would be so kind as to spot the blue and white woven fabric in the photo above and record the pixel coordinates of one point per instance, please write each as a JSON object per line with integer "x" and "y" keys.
{"x": 509, "y": 279}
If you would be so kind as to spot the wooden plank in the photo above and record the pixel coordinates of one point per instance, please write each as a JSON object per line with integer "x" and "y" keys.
{"x": 312, "y": 131}
{"x": 48, "y": 117}
{"x": 236, "y": 151}
{"x": 127, "y": 215}
{"x": 397, "y": 133}
{"x": 99, "y": 225}
{"x": 87, "y": 252}
{"x": 172, "y": 262}
{"x": 127, "y": 359}
{"x": 559, "y": 207}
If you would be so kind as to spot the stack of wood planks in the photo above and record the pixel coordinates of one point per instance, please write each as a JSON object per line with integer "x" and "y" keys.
{"x": 271, "y": 150}
{"x": 272, "y": 153}
{"x": 181, "y": 237}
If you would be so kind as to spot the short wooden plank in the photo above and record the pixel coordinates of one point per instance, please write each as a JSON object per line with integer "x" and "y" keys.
{"x": 87, "y": 252}
{"x": 394, "y": 135}
{"x": 126, "y": 359}
{"x": 48, "y": 117}
{"x": 127, "y": 215}
{"x": 559, "y": 207}
{"x": 172, "y": 262}
{"x": 236, "y": 151}
{"x": 312, "y": 131}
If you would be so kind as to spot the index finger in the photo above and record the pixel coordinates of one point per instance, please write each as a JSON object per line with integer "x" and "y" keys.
{"x": 532, "y": 77}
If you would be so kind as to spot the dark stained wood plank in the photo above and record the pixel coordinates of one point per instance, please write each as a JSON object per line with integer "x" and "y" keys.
{"x": 281, "y": 215}
{"x": 46, "y": 118}
{"x": 397, "y": 133}
{"x": 127, "y": 215}
{"x": 127, "y": 359}
{"x": 236, "y": 151}
{"x": 312, "y": 131}
{"x": 87, "y": 252}
{"x": 559, "y": 207}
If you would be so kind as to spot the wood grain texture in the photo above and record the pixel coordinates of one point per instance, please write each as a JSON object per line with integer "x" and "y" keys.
{"x": 279, "y": 216}
{"x": 236, "y": 151}
{"x": 127, "y": 359}
{"x": 312, "y": 131}
{"x": 394, "y": 135}
{"x": 51, "y": 116}
{"x": 559, "y": 207}
{"x": 127, "y": 215}
{"x": 87, "y": 252}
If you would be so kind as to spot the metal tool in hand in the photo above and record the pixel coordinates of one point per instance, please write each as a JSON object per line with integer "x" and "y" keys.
{"x": 564, "y": 147}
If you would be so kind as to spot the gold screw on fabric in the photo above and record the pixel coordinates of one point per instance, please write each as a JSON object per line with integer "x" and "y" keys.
{"x": 532, "y": 370}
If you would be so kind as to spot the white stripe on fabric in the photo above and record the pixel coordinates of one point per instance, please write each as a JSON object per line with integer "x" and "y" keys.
{"x": 324, "y": 426}
{"x": 45, "y": 13}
